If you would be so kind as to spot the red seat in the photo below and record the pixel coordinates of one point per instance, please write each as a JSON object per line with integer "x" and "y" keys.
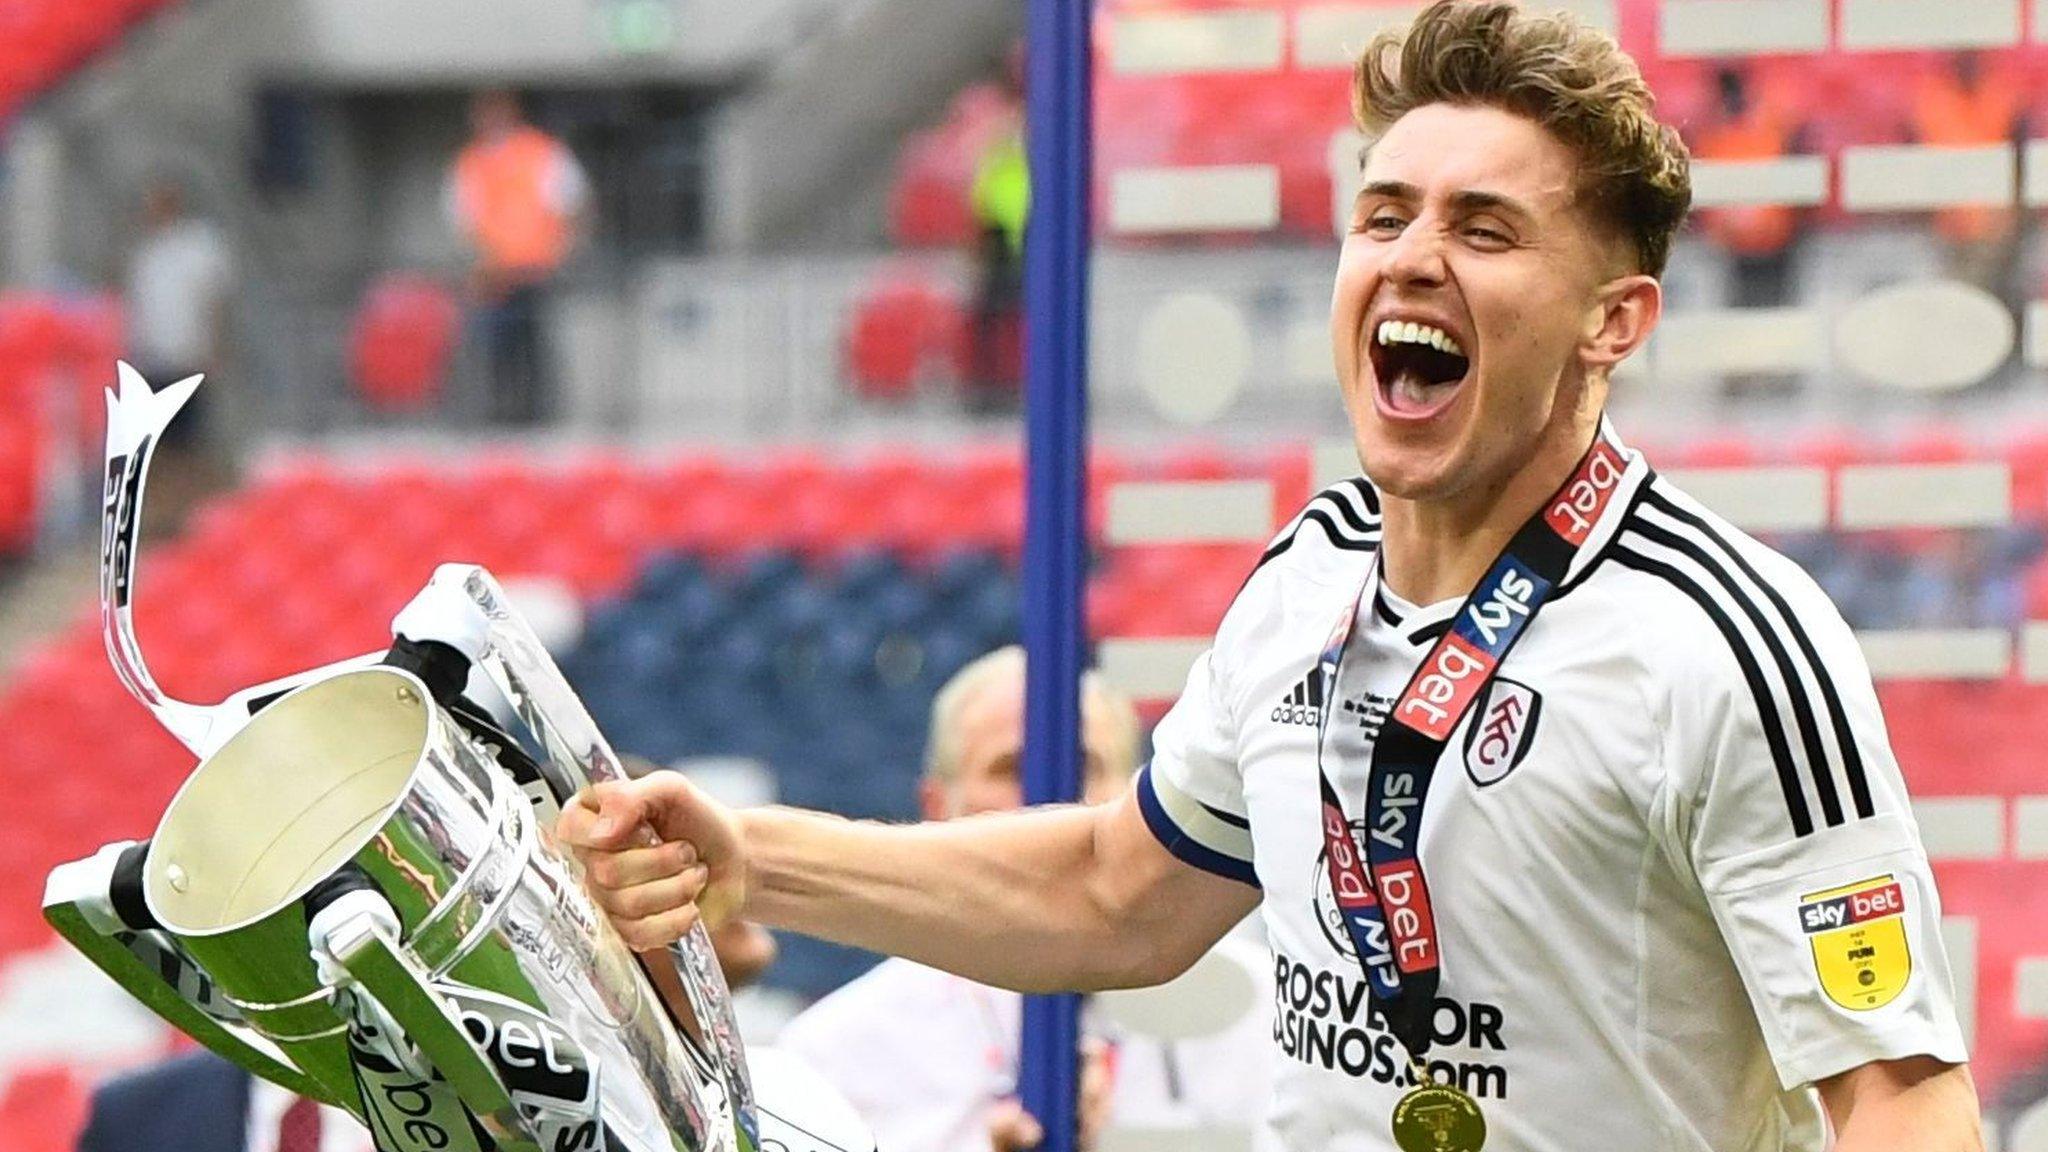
{"x": 401, "y": 341}
{"x": 1724, "y": 451}
{"x": 905, "y": 332}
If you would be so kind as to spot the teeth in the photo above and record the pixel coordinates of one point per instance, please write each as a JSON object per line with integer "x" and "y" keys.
{"x": 1403, "y": 332}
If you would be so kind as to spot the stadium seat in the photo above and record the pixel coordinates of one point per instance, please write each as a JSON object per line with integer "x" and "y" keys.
{"x": 401, "y": 342}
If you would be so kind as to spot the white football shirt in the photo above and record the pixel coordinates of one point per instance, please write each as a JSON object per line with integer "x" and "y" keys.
{"x": 1674, "y": 873}
{"x": 923, "y": 1056}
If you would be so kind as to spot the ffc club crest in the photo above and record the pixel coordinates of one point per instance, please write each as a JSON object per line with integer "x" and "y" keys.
{"x": 1502, "y": 729}
{"x": 1858, "y": 935}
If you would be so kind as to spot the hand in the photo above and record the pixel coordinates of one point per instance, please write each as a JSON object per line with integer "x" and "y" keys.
{"x": 1012, "y": 1129}
{"x": 744, "y": 949}
{"x": 656, "y": 853}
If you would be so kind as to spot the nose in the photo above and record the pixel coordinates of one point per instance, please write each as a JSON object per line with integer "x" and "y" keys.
{"x": 1415, "y": 258}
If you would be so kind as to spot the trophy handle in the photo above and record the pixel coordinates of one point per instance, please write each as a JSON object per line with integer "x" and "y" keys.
{"x": 463, "y": 607}
{"x": 79, "y": 902}
{"x": 396, "y": 984}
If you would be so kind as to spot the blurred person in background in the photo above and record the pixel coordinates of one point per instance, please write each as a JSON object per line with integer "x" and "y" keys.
{"x": 930, "y": 1059}
{"x": 1760, "y": 240}
{"x": 200, "y": 1102}
{"x": 517, "y": 196}
{"x": 1000, "y": 201}
{"x": 1972, "y": 102}
{"x": 179, "y": 289}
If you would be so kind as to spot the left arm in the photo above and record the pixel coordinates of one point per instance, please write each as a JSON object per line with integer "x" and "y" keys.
{"x": 1916, "y": 1104}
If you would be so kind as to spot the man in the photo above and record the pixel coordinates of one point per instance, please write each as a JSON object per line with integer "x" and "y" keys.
{"x": 1616, "y": 853}
{"x": 198, "y": 1102}
{"x": 928, "y": 1058}
{"x": 179, "y": 293}
{"x": 180, "y": 279}
{"x": 1000, "y": 201}
{"x": 517, "y": 196}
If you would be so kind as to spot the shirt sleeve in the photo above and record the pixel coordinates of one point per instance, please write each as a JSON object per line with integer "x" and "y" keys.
{"x": 1796, "y": 821}
{"x": 1191, "y": 793}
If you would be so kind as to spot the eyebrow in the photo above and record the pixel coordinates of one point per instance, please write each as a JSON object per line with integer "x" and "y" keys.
{"x": 1464, "y": 200}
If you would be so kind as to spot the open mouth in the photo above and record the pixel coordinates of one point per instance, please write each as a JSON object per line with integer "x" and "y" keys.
{"x": 1418, "y": 367}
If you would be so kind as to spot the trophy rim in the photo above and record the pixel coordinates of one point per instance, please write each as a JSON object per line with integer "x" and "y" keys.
{"x": 153, "y": 877}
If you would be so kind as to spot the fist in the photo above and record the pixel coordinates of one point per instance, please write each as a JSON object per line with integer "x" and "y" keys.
{"x": 1012, "y": 1129}
{"x": 657, "y": 855}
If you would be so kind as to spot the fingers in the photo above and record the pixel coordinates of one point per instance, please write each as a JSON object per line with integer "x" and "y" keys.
{"x": 655, "y": 896}
{"x": 652, "y": 933}
{"x": 650, "y": 848}
{"x": 628, "y": 867}
{"x": 744, "y": 950}
{"x": 1011, "y": 1128}
{"x": 607, "y": 816}
{"x": 1098, "y": 1080}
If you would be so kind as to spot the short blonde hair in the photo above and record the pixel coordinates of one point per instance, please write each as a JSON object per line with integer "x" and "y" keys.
{"x": 942, "y": 741}
{"x": 1574, "y": 81}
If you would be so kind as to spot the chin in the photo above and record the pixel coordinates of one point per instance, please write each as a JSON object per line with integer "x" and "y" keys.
{"x": 1409, "y": 471}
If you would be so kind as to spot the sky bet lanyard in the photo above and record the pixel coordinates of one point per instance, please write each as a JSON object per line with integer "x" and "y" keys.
{"x": 1384, "y": 898}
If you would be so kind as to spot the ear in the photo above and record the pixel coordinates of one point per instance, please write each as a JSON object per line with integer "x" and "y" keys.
{"x": 1620, "y": 320}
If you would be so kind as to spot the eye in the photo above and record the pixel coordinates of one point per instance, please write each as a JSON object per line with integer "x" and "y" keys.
{"x": 1385, "y": 224}
{"x": 1488, "y": 236}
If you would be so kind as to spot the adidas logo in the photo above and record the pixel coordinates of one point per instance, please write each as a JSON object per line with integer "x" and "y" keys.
{"x": 1304, "y": 705}
{"x": 1370, "y": 713}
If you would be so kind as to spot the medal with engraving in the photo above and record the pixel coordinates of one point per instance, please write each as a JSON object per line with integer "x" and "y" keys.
{"x": 1379, "y": 887}
{"x": 1439, "y": 1118}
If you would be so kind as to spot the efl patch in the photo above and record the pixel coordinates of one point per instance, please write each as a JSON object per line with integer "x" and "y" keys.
{"x": 1858, "y": 936}
{"x": 1503, "y": 729}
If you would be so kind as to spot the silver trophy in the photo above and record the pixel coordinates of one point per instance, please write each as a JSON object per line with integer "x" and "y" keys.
{"x": 356, "y": 894}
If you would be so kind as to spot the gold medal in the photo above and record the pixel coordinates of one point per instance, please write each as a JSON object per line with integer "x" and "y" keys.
{"x": 1438, "y": 1118}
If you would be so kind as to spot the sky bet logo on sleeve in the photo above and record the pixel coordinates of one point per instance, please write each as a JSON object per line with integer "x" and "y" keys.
{"x": 1485, "y": 627}
{"x": 1858, "y": 935}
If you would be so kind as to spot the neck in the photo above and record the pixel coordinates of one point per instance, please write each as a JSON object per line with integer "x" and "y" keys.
{"x": 1434, "y": 550}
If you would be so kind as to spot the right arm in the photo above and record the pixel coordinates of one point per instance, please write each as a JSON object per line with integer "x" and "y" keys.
{"x": 1055, "y": 898}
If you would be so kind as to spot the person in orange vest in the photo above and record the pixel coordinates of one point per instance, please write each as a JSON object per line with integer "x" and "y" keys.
{"x": 1760, "y": 239}
{"x": 1971, "y": 105}
{"x": 517, "y": 197}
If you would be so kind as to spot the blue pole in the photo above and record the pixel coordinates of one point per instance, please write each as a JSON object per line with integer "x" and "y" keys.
{"x": 1056, "y": 410}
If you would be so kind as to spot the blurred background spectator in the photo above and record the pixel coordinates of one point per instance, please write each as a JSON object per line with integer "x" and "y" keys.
{"x": 1969, "y": 101}
{"x": 1001, "y": 198}
{"x": 930, "y": 1058}
{"x": 199, "y": 1102}
{"x": 180, "y": 291}
{"x": 516, "y": 194}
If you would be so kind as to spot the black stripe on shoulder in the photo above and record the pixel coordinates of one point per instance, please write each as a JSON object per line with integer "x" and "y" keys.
{"x": 1229, "y": 818}
{"x": 1838, "y": 716}
{"x": 1337, "y": 538}
{"x": 1366, "y": 494}
{"x": 1341, "y": 522}
{"x": 1333, "y": 498}
{"x": 1774, "y": 733}
{"x": 1795, "y": 688}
